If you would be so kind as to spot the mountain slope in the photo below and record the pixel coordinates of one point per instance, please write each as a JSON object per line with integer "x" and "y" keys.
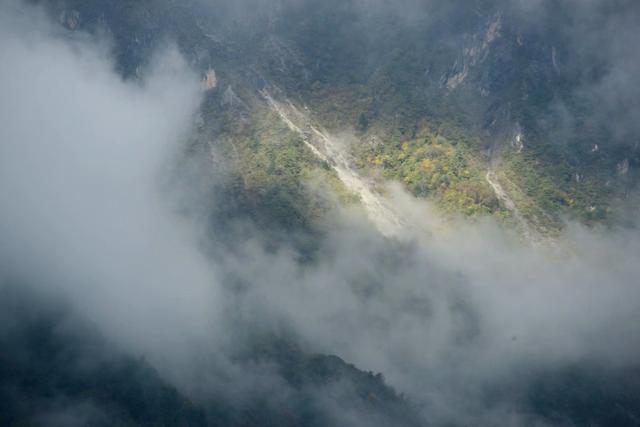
{"x": 308, "y": 110}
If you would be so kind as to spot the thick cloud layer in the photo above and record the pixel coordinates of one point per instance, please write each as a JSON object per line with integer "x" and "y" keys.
{"x": 82, "y": 159}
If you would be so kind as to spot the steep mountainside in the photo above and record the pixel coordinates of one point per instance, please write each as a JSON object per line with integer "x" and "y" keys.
{"x": 485, "y": 108}
{"x": 488, "y": 108}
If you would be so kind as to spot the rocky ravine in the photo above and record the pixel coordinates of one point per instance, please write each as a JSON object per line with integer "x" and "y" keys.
{"x": 329, "y": 149}
{"x": 380, "y": 211}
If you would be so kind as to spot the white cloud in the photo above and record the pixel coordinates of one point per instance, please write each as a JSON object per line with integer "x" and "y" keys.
{"x": 83, "y": 156}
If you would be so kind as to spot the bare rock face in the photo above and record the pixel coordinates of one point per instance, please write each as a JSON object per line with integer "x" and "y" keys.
{"x": 517, "y": 141}
{"x": 623, "y": 167}
{"x": 474, "y": 53}
{"x": 230, "y": 99}
{"x": 210, "y": 80}
{"x": 70, "y": 19}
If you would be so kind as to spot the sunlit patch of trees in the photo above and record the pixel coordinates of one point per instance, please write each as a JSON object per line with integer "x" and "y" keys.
{"x": 434, "y": 167}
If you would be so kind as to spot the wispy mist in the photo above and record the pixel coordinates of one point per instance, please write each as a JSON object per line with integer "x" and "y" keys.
{"x": 87, "y": 212}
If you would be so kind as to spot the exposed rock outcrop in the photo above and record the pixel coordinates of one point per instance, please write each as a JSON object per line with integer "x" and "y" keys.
{"x": 210, "y": 80}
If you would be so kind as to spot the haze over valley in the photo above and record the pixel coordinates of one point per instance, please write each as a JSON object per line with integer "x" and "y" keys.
{"x": 304, "y": 213}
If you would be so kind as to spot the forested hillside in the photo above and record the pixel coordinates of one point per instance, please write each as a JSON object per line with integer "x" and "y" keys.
{"x": 319, "y": 213}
